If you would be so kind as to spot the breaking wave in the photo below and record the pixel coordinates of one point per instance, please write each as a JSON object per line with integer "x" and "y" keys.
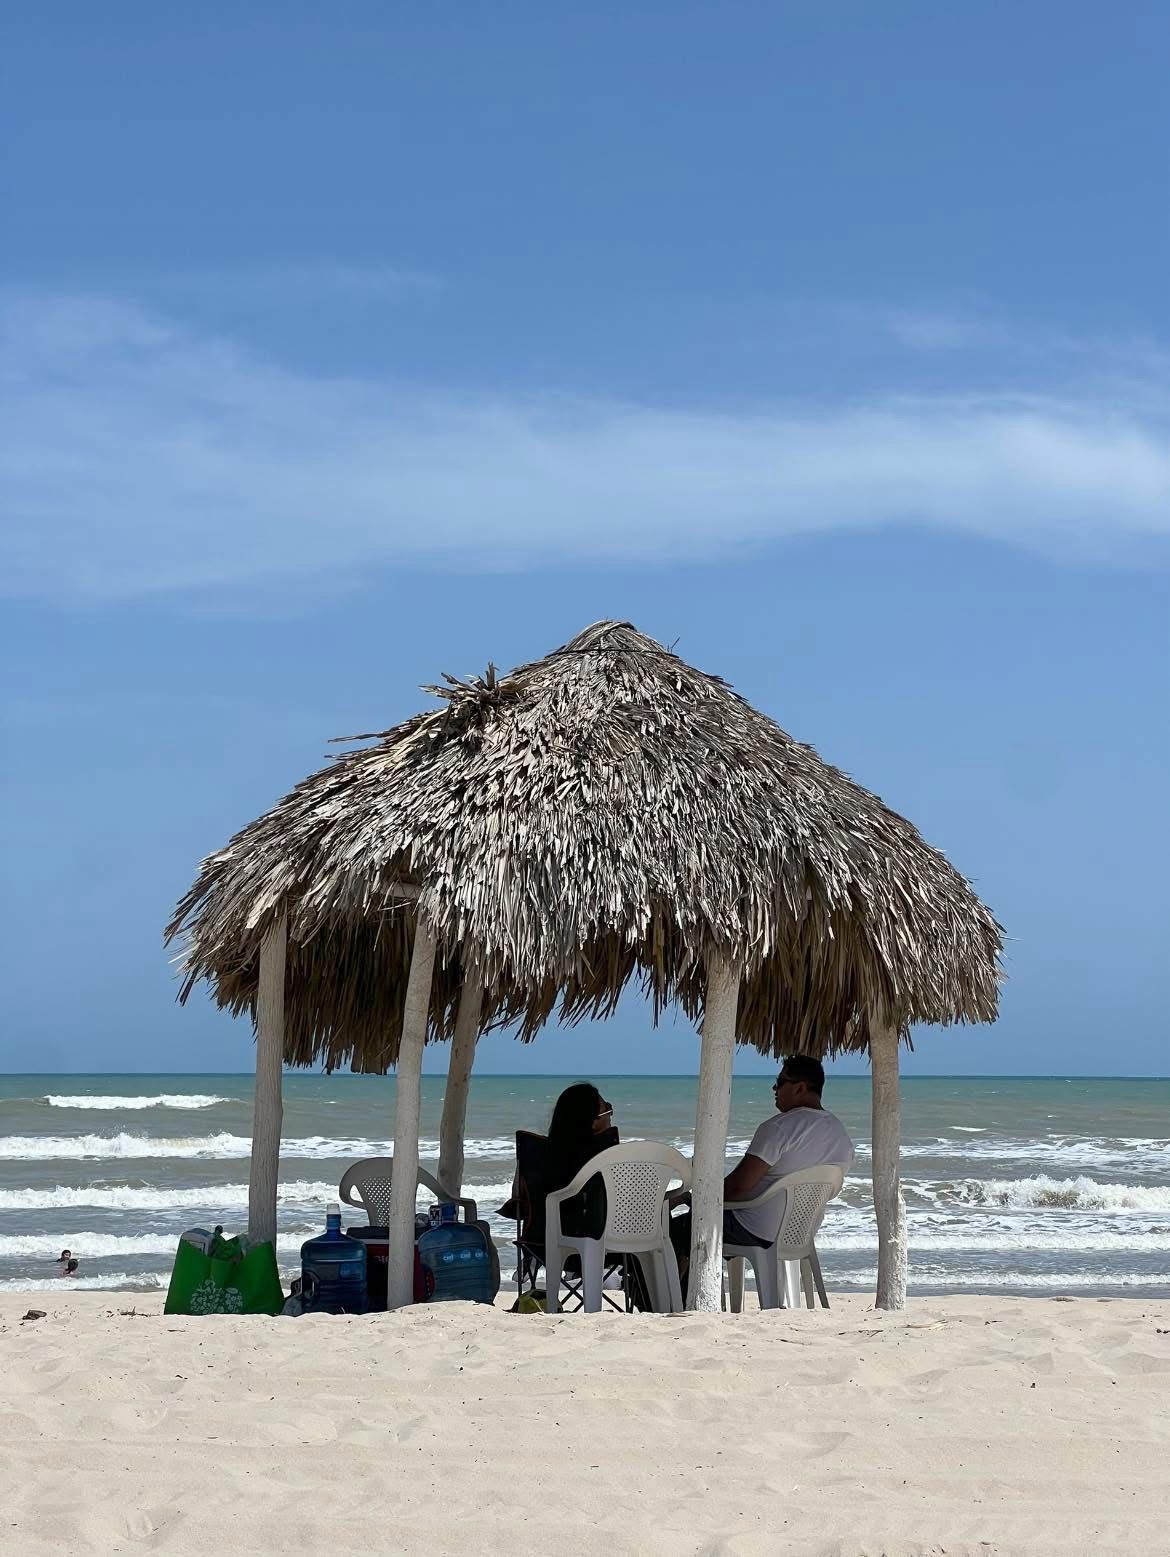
{"x": 1117, "y": 1154}
{"x": 204, "y": 1198}
{"x": 49, "y": 1147}
{"x": 159, "y": 1100}
{"x": 1007, "y": 1280}
{"x": 125, "y": 1197}
{"x": 107, "y": 1282}
{"x": 124, "y": 1146}
{"x": 1079, "y": 1194}
{"x": 104, "y": 1246}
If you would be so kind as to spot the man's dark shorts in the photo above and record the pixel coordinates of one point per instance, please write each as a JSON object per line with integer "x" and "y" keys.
{"x": 735, "y": 1232}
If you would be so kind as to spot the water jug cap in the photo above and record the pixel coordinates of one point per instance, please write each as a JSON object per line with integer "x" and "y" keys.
{"x": 447, "y": 1211}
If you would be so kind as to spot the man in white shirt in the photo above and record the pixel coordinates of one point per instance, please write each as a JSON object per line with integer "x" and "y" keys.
{"x": 800, "y": 1134}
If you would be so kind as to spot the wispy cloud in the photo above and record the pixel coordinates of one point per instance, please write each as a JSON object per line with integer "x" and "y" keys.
{"x": 140, "y": 456}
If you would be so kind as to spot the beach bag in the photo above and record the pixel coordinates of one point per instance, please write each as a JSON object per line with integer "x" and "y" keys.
{"x": 217, "y": 1275}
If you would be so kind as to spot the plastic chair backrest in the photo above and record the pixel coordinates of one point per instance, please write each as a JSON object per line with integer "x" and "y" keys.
{"x": 636, "y": 1176}
{"x": 806, "y": 1195}
{"x": 366, "y": 1184}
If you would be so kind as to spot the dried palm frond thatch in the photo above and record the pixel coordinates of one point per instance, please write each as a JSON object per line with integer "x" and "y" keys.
{"x": 602, "y": 815}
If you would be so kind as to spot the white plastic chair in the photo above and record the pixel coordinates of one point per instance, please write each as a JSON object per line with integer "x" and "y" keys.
{"x": 793, "y": 1257}
{"x": 636, "y": 1176}
{"x": 367, "y": 1185}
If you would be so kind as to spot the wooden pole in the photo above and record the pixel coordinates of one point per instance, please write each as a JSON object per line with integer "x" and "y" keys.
{"x": 715, "y": 1066}
{"x": 453, "y": 1126}
{"x": 886, "y": 1132}
{"x": 267, "y": 1103}
{"x": 408, "y": 1098}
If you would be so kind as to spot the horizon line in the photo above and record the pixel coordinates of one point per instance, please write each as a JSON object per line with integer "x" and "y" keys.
{"x": 508, "y": 1075}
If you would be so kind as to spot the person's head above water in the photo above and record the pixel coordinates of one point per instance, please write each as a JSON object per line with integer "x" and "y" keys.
{"x": 799, "y": 1084}
{"x": 578, "y": 1113}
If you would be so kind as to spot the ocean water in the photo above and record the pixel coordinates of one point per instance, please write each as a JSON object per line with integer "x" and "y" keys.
{"x": 1022, "y": 1185}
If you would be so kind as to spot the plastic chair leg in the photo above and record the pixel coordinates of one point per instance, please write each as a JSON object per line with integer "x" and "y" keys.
{"x": 593, "y": 1270}
{"x": 790, "y": 1279}
{"x": 818, "y": 1279}
{"x": 554, "y": 1264}
{"x": 806, "y": 1281}
{"x": 671, "y": 1287}
{"x": 735, "y": 1283}
{"x": 657, "y": 1281}
{"x": 767, "y": 1278}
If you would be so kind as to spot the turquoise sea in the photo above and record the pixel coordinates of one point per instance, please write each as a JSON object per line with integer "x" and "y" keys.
{"x": 1046, "y": 1185}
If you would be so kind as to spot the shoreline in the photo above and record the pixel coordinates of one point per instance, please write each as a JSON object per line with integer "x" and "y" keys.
{"x": 965, "y": 1425}
{"x": 1058, "y": 1292}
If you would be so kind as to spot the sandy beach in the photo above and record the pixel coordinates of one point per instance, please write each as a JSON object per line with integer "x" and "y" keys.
{"x": 965, "y": 1425}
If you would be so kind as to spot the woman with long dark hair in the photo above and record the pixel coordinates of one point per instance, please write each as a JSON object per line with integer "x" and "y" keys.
{"x": 581, "y": 1126}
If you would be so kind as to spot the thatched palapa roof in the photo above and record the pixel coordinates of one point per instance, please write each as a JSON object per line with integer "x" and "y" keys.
{"x": 604, "y": 814}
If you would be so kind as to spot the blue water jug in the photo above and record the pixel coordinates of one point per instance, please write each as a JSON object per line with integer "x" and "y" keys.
{"x": 333, "y": 1270}
{"x": 457, "y": 1256}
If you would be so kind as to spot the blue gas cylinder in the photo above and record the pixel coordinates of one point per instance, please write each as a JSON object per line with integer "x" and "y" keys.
{"x": 457, "y": 1256}
{"x": 333, "y": 1270}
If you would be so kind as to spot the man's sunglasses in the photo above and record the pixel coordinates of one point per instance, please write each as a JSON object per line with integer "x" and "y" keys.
{"x": 782, "y": 1081}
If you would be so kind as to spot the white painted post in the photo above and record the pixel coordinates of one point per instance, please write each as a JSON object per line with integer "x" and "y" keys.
{"x": 408, "y": 1098}
{"x": 721, "y": 1005}
{"x": 267, "y": 1104}
{"x": 886, "y": 1133}
{"x": 454, "y": 1122}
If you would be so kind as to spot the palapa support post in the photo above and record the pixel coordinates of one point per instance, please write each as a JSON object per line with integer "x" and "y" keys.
{"x": 267, "y": 1102}
{"x": 408, "y": 1097}
{"x": 886, "y": 1133}
{"x": 720, "y": 1006}
{"x": 453, "y": 1126}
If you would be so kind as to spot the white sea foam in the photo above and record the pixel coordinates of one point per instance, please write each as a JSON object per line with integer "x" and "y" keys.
{"x": 158, "y": 1100}
{"x": 1079, "y": 1194}
{"x": 1146, "y": 1153}
{"x": 106, "y": 1282}
{"x": 1038, "y": 1192}
{"x": 104, "y": 1246}
{"x": 920, "y": 1277}
{"x": 42, "y": 1148}
{"x": 1033, "y": 1280}
{"x": 124, "y": 1146}
{"x": 126, "y": 1197}
{"x": 1008, "y": 1233}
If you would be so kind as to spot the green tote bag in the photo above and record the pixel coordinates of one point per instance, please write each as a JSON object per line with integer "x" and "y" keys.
{"x": 217, "y": 1275}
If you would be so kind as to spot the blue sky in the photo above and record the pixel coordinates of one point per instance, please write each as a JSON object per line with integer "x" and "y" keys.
{"x": 343, "y": 350}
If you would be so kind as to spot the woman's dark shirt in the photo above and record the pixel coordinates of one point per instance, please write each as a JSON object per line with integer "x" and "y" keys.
{"x": 584, "y": 1215}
